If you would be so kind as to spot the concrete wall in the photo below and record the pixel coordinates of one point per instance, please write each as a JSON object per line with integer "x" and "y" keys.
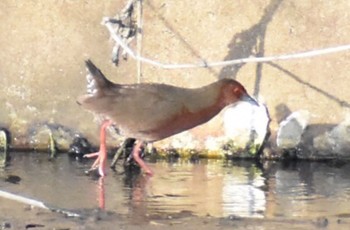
{"x": 44, "y": 45}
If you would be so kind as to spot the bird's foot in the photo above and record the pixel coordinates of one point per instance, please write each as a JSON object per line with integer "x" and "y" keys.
{"x": 101, "y": 155}
{"x": 136, "y": 155}
{"x": 148, "y": 171}
{"x": 99, "y": 163}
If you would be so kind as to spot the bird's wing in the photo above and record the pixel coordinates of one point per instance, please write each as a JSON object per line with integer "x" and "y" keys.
{"x": 145, "y": 105}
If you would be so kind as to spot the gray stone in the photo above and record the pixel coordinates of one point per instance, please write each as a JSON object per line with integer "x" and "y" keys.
{"x": 291, "y": 129}
{"x": 335, "y": 142}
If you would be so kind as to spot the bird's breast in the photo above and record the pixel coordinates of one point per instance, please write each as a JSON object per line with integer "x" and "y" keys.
{"x": 180, "y": 122}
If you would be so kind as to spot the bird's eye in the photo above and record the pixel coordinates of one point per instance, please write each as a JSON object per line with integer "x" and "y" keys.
{"x": 237, "y": 91}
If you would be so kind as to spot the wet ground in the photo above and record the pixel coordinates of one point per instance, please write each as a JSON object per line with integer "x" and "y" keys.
{"x": 204, "y": 194}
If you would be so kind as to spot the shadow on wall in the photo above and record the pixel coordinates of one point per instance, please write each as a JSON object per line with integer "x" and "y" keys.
{"x": 250, "y": 42}
{"x": 282, "y": 112}
{"x": 302, "y": 82}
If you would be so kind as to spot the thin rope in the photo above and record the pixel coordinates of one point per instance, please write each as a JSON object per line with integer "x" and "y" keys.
{"x": 35, "y": 203}
{"x": 306, "y": 54}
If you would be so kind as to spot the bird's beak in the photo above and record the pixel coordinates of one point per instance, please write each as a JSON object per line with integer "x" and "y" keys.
{"x": 249, "y": 99}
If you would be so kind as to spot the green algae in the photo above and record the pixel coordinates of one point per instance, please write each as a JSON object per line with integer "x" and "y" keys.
{"x": 52, "y": 146}
{"x": 228, "y": 150}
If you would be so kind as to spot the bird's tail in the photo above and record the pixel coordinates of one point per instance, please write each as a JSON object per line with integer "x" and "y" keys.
{"x": 96, "y": 79}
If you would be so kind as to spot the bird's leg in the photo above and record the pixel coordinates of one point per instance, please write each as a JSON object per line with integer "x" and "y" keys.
{"x": 136, "y": 155}
{"x": 101, "y": 155}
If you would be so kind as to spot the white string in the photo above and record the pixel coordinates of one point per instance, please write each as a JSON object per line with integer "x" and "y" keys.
{"x": 35, "y": 203}
{"x": 22, "y": 199}
{"x": 107, "y": 22}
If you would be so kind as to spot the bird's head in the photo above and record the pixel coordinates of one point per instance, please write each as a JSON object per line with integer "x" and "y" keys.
{"x": 233, "y": 91}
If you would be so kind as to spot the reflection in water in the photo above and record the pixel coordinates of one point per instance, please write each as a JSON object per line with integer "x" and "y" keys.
{"x": 208, "y": 187}
{"x": 311, "y": 189}
{"x": 243, "y": 195}
{"x": 101, "y": 193}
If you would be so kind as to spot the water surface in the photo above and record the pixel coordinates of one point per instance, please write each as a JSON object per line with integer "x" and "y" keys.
{"x": 215, "y": 188}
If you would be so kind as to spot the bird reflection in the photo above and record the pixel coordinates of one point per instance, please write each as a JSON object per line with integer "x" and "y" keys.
{"x": 101, "y": 193}
{"x": 134, "y": 180}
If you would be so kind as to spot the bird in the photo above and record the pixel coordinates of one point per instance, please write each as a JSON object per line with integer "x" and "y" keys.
{"x": 150, "y": 112}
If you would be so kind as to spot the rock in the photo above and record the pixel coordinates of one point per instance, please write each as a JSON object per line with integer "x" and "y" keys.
{"x": 246, "y": 127}
{"x": 321, "y": 222}
{"x": 13, "y": 179}
{"x": 291, "y": 129}
{"x": 41, "y": 134}
{"x": 335, "y": 142}
{"x": 184, "y": 140}
{"x": 79, "y": 147}
{"x": 6, "y": 225}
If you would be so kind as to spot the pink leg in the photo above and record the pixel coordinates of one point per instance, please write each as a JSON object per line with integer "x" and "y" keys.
{"x": 101, "y": 155}
{"x": 136, "y": 154}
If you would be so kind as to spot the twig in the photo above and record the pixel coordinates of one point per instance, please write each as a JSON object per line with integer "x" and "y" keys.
{"x": 305, "y": 54}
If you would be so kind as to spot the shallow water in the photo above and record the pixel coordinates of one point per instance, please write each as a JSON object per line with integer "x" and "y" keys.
{"x": 215, "y": 188}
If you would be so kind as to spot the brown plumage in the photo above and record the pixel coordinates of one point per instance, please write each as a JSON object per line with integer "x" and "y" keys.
{"x": 150, "y": 111}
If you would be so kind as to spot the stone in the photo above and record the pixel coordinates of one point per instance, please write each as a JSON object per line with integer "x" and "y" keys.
{"x": 246, "y": 127}
{"x": 291, "y": 129}
{"x": 335, "y": 142}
